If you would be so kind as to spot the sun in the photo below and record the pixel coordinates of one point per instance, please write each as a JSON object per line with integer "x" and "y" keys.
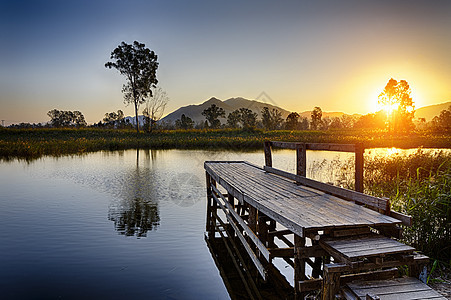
{"x": 375, "y": 106}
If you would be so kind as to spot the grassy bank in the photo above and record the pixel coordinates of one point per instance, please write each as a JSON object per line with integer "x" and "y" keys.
{"x": 33, "y": 143}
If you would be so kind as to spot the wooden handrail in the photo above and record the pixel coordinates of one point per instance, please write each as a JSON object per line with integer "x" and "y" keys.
{"x": 301, "y": 160}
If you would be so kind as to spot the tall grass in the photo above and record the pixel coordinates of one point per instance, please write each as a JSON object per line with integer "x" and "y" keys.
{"x": 419, "y": 185}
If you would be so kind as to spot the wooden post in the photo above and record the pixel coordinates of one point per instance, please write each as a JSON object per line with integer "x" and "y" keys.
{"x": 331, "y": 284}
{"x": 263, "y": 228}
{"x": 301, "y": 159}
{"x": 209, "y": 203}
{"x": 359, "y": 167}
{"x": 299, "y": 265}
{"x": 272, "y": 227}
{"x": 316, "y": 269}
{"x": 268, "y": 158}
{"x": 214, "y": 208}
{"x": 252, "y": 222}
{"x": 231, "y": 199}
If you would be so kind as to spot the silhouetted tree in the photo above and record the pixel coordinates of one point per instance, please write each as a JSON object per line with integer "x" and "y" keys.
{"x": 212, "y": 114}
{"x": 271, "y": 119}
{"x": 184, "y": 122}
{"x": 248, "y": 118}
{"x": 155, "y": 106}
{"x": 139, "y": 66}
{"x": 65, "y": 118}
{"x": 348, "y": 121}
{"x": 371, "y": 121}
{"x": 303, "y": 123}
{"x": 292, "y": 122}
{"x": 442, "y": 122}
{"x": 115, "y": 118}
{"x": 398, "y": 104}
{"x": 316, "y": 115}
{"x": 336, "y": 123}
{"x": 233, "y": 119}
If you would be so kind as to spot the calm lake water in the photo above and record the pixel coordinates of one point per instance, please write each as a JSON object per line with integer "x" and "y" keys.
{"x": 113, "y": 225}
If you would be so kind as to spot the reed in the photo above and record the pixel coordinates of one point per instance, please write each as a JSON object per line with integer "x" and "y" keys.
{"x": 419, "y": 185}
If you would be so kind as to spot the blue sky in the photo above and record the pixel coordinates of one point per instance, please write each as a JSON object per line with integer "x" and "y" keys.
{"x": 334, "y": 54}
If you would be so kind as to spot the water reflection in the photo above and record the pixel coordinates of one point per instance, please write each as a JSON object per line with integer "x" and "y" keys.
{"x": 134, "y": 217}
{"x": 239, "y": 274}
{"x": 135, "y": 212}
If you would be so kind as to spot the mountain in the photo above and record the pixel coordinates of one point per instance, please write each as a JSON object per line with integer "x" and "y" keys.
{"x": 229, "y": 105}
{"x": 429, "y": 112}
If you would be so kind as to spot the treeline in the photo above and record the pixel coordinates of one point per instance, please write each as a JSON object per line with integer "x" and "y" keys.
{"x": 244, "y": 118}
{"x": 271, "y": 119}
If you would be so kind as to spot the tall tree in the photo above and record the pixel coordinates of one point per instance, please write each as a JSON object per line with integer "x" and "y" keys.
{"x": 212, "y": 115}
{"x": 316, "y": 115}
{"x": 248, "y": 118}
{"x": 139, "y": 66}
{"x": 233, "y": 119}
{"x": 292, "y": 121}
{"x": 155, "y": 107}
{"x": 266, "y": 118}
{"x": 398, "y": 105}
{"x": 271, "y": 119}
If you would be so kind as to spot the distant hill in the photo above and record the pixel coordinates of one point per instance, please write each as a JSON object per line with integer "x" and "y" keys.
{"x": 195, "y": 111}
{"x": 430, "y": 111}
{"x": 229, "y": 105}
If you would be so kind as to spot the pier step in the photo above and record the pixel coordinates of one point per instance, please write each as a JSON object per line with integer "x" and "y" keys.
{"x": 407, "y": 288}
{"x": 356, "y": 248}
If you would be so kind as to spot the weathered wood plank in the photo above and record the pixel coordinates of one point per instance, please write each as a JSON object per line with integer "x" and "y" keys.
{"x": 397, "y": 288}
{"x": 371, "y": 201}
{"x": 230, "y": 211}
{"x": 237, "y": 193}
{"x": 280, "y": 197}
{"x": 351, "y": 249}
{"x": 346, "y": 216}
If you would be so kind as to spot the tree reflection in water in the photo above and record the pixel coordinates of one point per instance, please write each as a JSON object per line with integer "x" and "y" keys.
{"x": 135, "y": 217}
{"x": 136, "y": 212}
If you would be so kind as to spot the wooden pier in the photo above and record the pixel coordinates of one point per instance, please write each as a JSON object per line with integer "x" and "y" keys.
{"x": 344, "y": 236}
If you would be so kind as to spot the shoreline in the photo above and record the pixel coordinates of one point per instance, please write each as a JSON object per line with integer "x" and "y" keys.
{"x": 34, "y": 143}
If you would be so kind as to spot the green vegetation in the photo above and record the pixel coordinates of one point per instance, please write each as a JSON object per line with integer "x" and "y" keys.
{"x": 33, "y": 143}
{"x": 419, "y": 185}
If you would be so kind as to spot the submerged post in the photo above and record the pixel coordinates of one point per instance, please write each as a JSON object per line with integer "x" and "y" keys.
{"x": 359, "y": 167}
{"x": 268, "y": 158}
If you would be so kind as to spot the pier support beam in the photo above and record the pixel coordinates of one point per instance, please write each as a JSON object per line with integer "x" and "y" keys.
{"x": 299, "y": 265}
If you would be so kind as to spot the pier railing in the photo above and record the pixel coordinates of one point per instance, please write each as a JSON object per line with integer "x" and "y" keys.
{"x": 301, "y": 156}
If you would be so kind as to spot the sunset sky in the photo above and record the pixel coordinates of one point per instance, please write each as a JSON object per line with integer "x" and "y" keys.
{"x": 334, "y": 54}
